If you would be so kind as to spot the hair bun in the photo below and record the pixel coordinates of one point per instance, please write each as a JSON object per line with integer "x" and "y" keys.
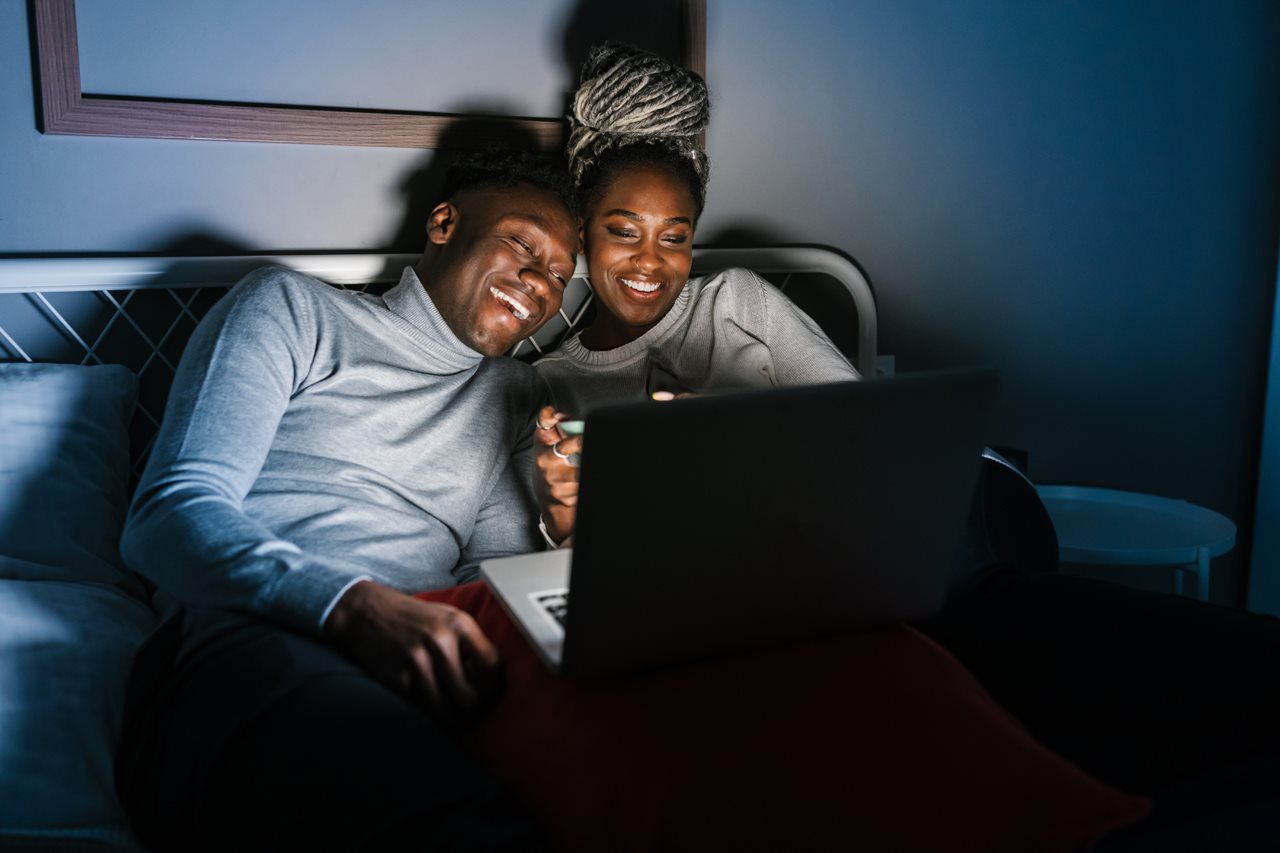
{"x": 631, "y": 95}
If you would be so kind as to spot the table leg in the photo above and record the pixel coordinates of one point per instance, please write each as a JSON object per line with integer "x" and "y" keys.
{"x": 1203, "y": 575}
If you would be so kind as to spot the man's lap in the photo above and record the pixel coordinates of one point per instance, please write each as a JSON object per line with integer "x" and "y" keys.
{"x": 262, "y": 738}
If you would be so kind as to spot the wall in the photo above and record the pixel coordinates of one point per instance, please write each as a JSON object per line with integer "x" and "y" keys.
{"x": 1264, "y": 585}
{"x": 1082, "y": 193}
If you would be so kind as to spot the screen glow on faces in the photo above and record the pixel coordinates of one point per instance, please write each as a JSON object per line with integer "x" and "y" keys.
{"x": 639, "y": 245}
{"x": 510, "y": 253}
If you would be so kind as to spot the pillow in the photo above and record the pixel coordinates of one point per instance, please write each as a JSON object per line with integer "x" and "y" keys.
{"x": 873, "y": 741}
{"x": 64, "y": 472}
{"x": 65, "y": 653}
{"x": 71, "y": 616}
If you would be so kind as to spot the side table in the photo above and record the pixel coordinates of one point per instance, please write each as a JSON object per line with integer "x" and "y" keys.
{"x": 1112, "y": 527}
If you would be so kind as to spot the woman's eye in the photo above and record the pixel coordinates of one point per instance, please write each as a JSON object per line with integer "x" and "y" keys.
{"x": 621, "y": 232}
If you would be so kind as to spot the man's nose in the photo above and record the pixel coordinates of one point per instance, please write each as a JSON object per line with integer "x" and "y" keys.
{"x": 539, "y": 283}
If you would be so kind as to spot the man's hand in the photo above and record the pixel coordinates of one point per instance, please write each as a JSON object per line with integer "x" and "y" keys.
{"x": 555, "y": 483}
{"x": 433, "y": 653}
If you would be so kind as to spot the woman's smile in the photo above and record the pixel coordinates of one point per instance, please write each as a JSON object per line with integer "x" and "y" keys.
{"x": 639, "y": 241}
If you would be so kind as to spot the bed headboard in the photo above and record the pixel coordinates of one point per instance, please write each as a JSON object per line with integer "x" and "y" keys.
{"x": 140, "y": 311}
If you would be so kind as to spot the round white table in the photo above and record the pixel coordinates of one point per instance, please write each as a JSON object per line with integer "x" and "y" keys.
{"x": 1112, "y": 527}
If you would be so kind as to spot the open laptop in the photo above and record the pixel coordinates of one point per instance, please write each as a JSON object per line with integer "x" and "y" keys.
{"x": 744, "y": 520}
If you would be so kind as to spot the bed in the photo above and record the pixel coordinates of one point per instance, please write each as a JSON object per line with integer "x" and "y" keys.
{"x": 88, "y": 347}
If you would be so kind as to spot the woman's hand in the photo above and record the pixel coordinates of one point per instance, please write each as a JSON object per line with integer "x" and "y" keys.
{"x": 555, "y": 483}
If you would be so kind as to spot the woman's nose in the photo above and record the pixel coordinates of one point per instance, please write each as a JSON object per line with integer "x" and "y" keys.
{"x": 646, "y": 259}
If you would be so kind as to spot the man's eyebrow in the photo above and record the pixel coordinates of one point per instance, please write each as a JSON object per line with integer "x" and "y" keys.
{"x": 635, "y": 217}
{"x": 539, "y": 222}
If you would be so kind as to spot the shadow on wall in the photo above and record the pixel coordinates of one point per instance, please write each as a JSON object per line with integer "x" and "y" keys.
{"x": 654, "y": 26}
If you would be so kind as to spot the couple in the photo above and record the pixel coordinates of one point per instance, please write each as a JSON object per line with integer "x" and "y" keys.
{"x": 325, "y": 453}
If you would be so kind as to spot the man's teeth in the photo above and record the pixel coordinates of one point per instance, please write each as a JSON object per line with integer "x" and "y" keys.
{"x": 520, "y": 313}
{"x": 642, "y": 286}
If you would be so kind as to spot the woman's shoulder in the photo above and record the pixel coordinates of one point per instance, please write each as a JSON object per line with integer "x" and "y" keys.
{"x": 734, "y": 292}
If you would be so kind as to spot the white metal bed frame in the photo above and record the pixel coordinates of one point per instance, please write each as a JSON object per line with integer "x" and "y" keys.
{"x": 118, "y": 281}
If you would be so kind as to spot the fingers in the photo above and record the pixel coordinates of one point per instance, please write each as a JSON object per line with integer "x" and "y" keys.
{"x": 544, "y": 428}
{"x": 567, "y": 447}
{"x": 434, "y": 653}
{"x": 462, "y": 661}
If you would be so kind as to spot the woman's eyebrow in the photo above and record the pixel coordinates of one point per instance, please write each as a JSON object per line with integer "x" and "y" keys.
{"x": 635, "y": 217}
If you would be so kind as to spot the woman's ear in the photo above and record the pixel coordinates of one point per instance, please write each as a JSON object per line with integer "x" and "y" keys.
{"x": 441, "y": 223}
{"x": 582, "y": 243}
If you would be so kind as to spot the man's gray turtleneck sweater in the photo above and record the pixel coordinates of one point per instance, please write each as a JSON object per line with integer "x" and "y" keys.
{"x": 314, "y": 437}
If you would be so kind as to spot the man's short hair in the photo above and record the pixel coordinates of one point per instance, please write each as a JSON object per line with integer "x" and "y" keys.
{"x": 496, "y": 167}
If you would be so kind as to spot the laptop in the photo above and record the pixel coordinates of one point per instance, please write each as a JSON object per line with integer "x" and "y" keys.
{"x": 741, "y": 521}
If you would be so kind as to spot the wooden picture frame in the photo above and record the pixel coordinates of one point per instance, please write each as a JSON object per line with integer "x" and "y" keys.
{"x": 65, "y": 109}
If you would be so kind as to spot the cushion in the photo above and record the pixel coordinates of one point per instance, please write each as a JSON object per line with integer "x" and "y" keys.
{"x": 71, "y": 616}
{"x": 64, "y": 471}
{"x": 65, "y": 653}
{"x": 873, "y": 741}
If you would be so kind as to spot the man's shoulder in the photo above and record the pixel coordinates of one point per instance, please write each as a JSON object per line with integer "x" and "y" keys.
{"x": 274, "y": 287}
{"x": 278, "y": 281}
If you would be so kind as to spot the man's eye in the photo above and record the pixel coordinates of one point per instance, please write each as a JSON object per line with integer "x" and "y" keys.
{"x": 523, "y": 245}
{"x": 676, "y": 239}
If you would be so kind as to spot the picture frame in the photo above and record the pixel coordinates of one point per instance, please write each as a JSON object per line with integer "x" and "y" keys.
{"x": 63, "y": 108}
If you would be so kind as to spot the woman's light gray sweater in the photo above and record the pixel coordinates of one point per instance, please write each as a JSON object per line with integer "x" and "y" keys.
{"x": 728, "y": 331}
{"x": 314, "y": 437}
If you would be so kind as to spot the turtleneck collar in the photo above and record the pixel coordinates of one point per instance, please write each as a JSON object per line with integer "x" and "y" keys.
{"x": 422, "y": 321}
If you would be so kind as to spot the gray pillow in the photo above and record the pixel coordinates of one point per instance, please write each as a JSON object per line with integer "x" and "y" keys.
{"x": 64, "y": 472}
{"x": 71, "y": 616}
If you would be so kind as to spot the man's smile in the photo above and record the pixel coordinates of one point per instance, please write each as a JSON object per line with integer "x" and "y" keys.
{"x": 517, "y": 303}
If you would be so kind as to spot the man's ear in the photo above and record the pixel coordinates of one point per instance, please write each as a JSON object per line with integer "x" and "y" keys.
{"x": 441, "y": 223}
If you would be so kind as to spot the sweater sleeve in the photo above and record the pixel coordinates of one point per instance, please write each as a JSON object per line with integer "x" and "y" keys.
{"x": 507, "y": 522}
{"x": 187, "y": 530}
{"x": 802, "y": 353}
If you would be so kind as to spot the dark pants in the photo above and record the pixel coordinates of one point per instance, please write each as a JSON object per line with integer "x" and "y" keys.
{"x": 1151, "y": 693}
{"x": 256, "y": 738}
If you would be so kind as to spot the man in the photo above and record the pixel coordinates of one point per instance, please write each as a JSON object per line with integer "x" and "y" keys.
{"x": 323, "y": 454}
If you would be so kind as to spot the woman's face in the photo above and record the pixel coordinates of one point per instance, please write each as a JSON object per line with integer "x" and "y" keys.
{"x": 639, "y": 244}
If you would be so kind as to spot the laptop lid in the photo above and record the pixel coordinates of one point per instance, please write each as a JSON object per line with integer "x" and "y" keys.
{"x": 742, "y": 520}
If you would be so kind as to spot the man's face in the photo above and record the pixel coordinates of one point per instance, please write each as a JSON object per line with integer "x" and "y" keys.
{"x": 497, "y": 263}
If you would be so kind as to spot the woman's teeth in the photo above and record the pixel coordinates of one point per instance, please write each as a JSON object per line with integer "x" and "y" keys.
{"x": 642, "y": 286}
{"x": 516, "y": 308}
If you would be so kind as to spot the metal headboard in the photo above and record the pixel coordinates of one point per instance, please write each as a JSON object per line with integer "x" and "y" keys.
{"x": 139, "y": 311}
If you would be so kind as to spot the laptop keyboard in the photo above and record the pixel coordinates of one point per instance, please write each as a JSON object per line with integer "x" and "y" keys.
{"x": 555, "y": 602}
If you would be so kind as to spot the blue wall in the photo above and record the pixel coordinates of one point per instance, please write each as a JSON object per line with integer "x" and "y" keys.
{"x": 1083, "y": 193}
{"x": 1264, "y": 586}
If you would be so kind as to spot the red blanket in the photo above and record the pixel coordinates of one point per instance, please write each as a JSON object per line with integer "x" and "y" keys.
{"x": 877, "y": 741}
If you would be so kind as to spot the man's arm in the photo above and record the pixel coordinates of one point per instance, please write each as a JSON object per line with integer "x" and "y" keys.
{"x": 187, "y": 530}
{"x": 508, "y": 520}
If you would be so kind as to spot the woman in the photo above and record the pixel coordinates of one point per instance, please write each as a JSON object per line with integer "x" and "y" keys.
{"x": 1151, "y": 693}
{"x": 641, "y": 180}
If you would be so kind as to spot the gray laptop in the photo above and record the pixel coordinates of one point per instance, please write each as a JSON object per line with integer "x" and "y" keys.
{"x": 745, "y": 520}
